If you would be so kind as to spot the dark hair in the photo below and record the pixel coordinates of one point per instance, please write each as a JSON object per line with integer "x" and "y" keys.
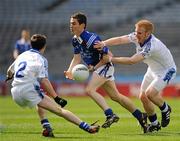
{"x": 38, "y": 41}
{"x": 81, "y": 18}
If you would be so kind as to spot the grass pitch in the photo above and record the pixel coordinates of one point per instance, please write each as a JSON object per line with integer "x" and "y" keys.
{"x": 17, "y": 124}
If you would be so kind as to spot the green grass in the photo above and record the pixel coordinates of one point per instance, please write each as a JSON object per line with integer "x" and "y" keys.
{"x": 17, "y": 124}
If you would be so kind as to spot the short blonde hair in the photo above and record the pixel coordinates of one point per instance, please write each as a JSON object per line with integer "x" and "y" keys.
{"x": 146, "y": 24}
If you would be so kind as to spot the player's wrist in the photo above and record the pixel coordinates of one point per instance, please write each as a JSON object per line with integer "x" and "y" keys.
{"x": 110, "y": 58}
{"x": 91, "y": 68}
{"x": 62, "y": 102}
{"x": 104, "y": 44}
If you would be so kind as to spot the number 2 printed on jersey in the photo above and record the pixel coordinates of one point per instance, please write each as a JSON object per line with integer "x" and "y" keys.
{"x": 21, "y": 67}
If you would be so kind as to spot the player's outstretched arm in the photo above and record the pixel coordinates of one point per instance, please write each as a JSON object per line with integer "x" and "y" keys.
{"x": 112, "y": 41}
{"x": 76, "y": 60}
{"x": 10, "y": 72}
{"x": 50, "y": 90}
{"x": 136, "y": 58}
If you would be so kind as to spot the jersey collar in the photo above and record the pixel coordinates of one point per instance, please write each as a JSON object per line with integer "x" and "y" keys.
{"x": 147, "y": 40}
{"x": 34, "y": 50}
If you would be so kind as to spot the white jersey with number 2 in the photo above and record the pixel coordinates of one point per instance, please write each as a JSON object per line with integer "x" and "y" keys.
{"x": 29, "y": 68}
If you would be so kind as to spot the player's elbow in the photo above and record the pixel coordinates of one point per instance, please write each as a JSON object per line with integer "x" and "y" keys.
{"x": 132, "y": 61}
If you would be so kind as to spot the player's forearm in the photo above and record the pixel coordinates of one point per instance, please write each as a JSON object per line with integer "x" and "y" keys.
{"x": 116, "y": 41}
{"x": 136, "y": 58}
{"x": 50, "y": 90}
{"x": 48, "y": 87}
{"x": 73, "y": 63}
{"x": 122, "y": 60}
{"x": 99, "y": 64}
{"x": 10, "y": 70}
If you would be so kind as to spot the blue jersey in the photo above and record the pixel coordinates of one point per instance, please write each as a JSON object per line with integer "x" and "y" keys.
{"x": 84, "y": 45}
{"x": 22, "y": 46}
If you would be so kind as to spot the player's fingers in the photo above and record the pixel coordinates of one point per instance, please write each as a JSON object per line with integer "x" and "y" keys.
{"x": 100, "y": 48}
{"x": 65, "y": 73}
{"x": 7, "y": 79}
{"x": 91, "y": 68}
{"x": 98, "y": 45}
{"x": 68, "y": 75}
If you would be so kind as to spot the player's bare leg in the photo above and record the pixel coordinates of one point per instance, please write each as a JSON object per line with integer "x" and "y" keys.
{"x": 47, "y": 130}
{"x": 150, "y": 110}
{"x": 147, "y": 104}
{"x": 124, "y": 101}
{"x": 114, "y": 94}
{"x": 157, "y": 99}
{"x": 96, "y": 82}
{"x": 50, "y": 105}
{"x": 93, "y": 85}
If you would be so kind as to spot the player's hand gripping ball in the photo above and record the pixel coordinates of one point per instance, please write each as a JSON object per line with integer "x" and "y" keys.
{"x": 80, "y": 73}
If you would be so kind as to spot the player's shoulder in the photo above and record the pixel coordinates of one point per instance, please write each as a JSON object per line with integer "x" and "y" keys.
{"x": 157, "y": 42}
{"x": 18, "y": 41}
{"x": 155, "y": 39}
{"x": 92, "y": 34}
{"x": 33, "y": 53}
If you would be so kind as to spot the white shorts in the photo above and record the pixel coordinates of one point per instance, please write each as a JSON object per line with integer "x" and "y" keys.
{"x": 27, "y": 95}
{"x": 158, "y": 81}
{"x": 106, "y": 71}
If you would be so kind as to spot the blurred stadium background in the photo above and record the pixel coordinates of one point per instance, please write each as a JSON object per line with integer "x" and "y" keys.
{"x": 106, "y": 17}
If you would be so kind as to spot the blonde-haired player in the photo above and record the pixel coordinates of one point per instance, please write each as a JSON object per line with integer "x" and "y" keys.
{"x": 161, "y": 68}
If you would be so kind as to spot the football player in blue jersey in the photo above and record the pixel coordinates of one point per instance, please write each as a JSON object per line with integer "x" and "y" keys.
{"x": 102, "y": 74}
{"x": 21, "y": 46}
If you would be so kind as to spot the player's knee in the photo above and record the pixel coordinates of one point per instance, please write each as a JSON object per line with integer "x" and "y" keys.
{"x": 143, "y": 97}
{"x": 148, "y": 94}
{"x": 89, "y": 90}
{"x": 114, "y": 98}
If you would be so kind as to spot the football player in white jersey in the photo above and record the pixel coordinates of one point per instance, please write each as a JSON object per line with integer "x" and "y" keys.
{"x": 30, "y": 71}
{"x": 161, "y": 68}
{"x": 21, "y": 46}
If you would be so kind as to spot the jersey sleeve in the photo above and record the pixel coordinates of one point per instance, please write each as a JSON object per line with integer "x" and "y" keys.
{"x": 43, "y": 68}
{"x": 89, "y": 38}
{"x": 75, "y": 45}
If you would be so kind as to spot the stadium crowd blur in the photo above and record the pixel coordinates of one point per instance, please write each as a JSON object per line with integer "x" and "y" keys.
{"x": 108, "y": 18}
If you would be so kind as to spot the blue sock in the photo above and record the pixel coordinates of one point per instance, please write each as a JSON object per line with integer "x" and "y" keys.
{"x": 163, "y": 106}
{"x": 108, "y": 112}
{"x": 45, "y": 123}
{"x": 84, "y": 126}
{"x": 153, "y": 119}
{"x": 137, "y": 114}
